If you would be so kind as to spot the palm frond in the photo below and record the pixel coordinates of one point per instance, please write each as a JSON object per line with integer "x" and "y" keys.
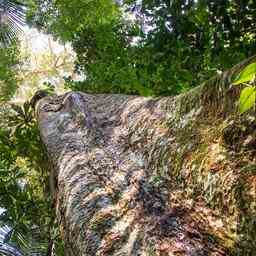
{"x": 12, "y": 20}
{"x": 22, "y": 242}
{"x": 8, "y": 250}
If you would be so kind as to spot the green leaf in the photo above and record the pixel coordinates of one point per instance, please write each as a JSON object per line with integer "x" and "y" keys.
{"x": 247, "y": 74}
{"x": 26, "y": 107}
{"x": 18, "y": 109}
{"x": 247, "y": 98}
{"x": 144, "y": 91}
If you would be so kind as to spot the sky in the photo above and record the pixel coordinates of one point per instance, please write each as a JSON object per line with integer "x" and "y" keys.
{"x": 38, "y": 41}
{"x": 43, "y": 60}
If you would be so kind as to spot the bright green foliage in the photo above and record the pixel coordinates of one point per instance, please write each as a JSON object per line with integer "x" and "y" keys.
{"x": 23, "y": 169}
{"x": 247, "y": 74}
{"x": 170, "y": 47}
{"x": 194, "y": 39}
{"x": 8, "y": 82}
{"x": 100, "y": 38}
{"x": 247, "y": 98}
{"x": 23, "y": 209}
{"x": 248, "y": 95}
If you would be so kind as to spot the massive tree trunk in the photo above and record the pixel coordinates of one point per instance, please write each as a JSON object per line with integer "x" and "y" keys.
{"x": 153, "y": 176}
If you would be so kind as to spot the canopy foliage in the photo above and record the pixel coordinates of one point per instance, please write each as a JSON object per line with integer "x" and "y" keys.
{"x": 150, "y": 47}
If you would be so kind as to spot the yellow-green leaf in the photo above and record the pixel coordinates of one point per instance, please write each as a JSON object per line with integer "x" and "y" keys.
{"x": 144, "y": 91}
{"x": 247, "y": 98}
{"x": 247, "y": 74}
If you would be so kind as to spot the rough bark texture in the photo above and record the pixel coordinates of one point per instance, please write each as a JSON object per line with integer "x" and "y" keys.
{"x": 153, "y": 176}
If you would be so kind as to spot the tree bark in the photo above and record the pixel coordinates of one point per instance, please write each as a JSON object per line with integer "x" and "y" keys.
{"x": 153, "y": 176}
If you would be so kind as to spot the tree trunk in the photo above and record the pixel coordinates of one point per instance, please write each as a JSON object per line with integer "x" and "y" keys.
{"x": 153, "y": 176}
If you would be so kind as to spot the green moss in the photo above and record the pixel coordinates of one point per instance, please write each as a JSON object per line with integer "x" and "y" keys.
{"x": 150, "y": 251}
